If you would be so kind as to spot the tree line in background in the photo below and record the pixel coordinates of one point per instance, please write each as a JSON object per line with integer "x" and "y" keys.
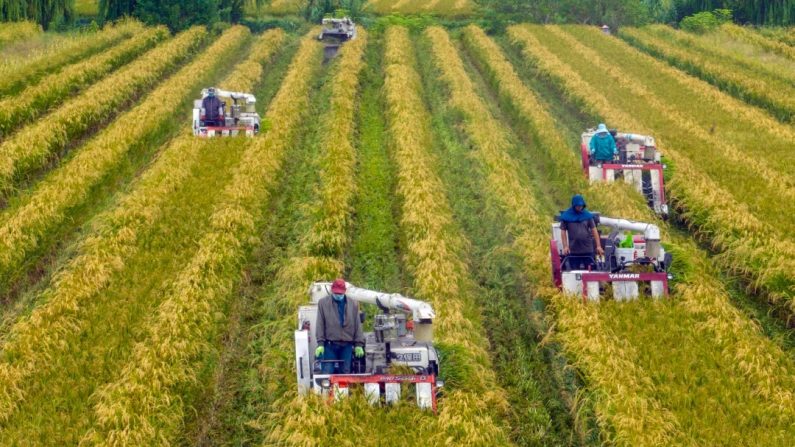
{"x": 179, "y": 14}
{"x": 636, "y": 12}
{"x": 47, "y": 13}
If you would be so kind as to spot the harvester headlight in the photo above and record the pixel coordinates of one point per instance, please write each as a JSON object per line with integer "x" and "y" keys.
{"x": 325, "y": 383}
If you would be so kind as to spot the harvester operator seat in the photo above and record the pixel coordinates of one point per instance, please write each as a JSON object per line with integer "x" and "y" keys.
{"x": 213, "y": 114}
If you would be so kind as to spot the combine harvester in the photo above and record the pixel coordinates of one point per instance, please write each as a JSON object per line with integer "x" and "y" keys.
{"x": 638, "y": 163}
{"x": 396, "y": 343}
{"x": 211, "y": 117}
{"x": 335, "y": 32}
{"x": 634, "y": 261}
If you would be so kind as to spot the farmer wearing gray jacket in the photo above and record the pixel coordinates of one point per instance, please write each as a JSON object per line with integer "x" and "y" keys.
{"x": 339, "y": 331}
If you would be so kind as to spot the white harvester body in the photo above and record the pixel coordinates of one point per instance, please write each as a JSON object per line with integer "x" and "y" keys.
{"x": 629, "y": 271}
{"x": 403, "y": 339}
{"x": 236, "y": 115}
{"x": 639, "y": 163}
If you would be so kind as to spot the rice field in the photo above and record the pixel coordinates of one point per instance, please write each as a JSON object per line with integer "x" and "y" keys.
{"x": 150, "y": 279}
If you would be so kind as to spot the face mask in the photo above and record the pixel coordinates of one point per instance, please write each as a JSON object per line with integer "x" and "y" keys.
{"x": 338, "y": 296}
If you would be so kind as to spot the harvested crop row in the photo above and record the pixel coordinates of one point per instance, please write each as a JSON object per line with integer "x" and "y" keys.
{"x": 704, "y": 314}
{"x": 32, "y": 146}
{"x": 37, "y": 99}
{"x": 130, "y": 410}
{"x": 505, "y": 185}
{"x": 753, "y": 37}
{"x": 35, "y": 338}
{"x": 24, "y": 226}
{"x": 772, "y": 94}
{"x": 751, "y": 246}
{"x": 13, "y": 31}
{"x": 16, "y": 75}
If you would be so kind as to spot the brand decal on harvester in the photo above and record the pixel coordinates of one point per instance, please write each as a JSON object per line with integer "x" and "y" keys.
{"x": 625, "y": 276}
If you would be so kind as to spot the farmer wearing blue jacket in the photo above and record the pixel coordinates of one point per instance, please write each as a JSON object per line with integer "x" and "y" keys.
{"x": 579, "y": 235}
{"x": 603, "y": 146}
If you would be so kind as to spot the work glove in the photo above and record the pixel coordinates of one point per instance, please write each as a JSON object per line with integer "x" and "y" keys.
{"x": 319, "y": 351}
{"x": 358, "y": 352}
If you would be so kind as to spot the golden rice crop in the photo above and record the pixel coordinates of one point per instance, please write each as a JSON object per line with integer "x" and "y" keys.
{"x": 505, "y": 185}
{"x": 750, "y": 244}
{"x": 704, "y": 299}
{"x": 13, "y": 31}
{"x": 16, "y": 73}
{"x": 37, "y": 99}
{"x": 751, "y": 36}
{"x": 435, "y": 250}
{"x": 33, "y": 145}
{"x": 130, "y": 410}
{"x": 770, "y": 93}
{"x": 35, "y": 338}
{"x": 23, "y": 226}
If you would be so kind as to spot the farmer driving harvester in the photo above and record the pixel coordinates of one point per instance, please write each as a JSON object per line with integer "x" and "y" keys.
{"x": 579, "y": 235}
{"x": 603, "y": 145}
{"x": 339, "y": 331}
{"x": 214, "y": 115}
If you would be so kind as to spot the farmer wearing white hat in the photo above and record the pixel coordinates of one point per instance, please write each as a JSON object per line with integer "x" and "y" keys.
{"x": 603, "y": 146}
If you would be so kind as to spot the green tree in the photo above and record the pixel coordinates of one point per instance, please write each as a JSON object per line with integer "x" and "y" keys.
{"x": 47, "y": 13}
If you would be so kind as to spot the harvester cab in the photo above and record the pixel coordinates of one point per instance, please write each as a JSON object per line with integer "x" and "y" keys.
{"x": 223, "y": 113}
{"x": 334, "y": 33}
{"x": 634, "y": 262}
{"x": 638, "y": 163}
{"x": 400, "y": 360}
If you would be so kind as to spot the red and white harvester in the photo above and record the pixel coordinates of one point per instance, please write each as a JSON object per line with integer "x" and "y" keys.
{"x": 402, "y": 340}
{"x": 638, "y": 163}
{"x": 634, "y": 262}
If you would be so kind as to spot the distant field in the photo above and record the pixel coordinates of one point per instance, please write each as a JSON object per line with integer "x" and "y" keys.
{"x": 437, "y": 7}
{"x": 86, "y": 8}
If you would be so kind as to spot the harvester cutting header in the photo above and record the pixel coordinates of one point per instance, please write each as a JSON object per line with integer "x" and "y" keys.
{"x": 211, "y": 117}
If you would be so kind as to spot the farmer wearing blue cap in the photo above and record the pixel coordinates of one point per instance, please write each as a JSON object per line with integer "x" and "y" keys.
{"x": 579, "y": 235}
{"x": 603, "y": 145}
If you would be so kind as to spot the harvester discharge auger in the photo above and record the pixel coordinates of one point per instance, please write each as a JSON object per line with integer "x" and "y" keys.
{"x": 399, "y": 359}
